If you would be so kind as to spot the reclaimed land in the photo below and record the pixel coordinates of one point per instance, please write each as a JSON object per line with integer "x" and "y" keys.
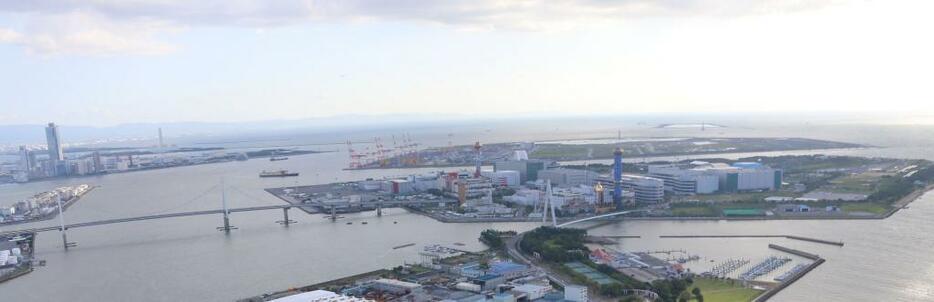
{"x": 556, "y": 150}
{"x": 65, "y": 206}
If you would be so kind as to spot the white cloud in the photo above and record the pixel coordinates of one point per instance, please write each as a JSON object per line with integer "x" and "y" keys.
{"x": 88, "y": 34}
{"x": 131, "y": 26}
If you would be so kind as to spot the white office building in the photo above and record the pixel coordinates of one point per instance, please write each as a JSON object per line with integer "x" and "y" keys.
{"x": 503, "y": 178}
{"x": 576, "y": 293}
{"x": 646, "y": 190}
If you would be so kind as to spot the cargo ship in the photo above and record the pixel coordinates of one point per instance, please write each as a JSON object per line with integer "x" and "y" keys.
{"x": 280, "y": 173}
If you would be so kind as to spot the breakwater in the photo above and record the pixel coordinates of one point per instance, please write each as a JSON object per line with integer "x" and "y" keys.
{"x": 815, "y": 240}
{"x": 794, "y": 277}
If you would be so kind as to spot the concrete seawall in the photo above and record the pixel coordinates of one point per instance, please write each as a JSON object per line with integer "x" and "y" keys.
{"x": 775, "y": 290}
{"x": 815, "y": 240}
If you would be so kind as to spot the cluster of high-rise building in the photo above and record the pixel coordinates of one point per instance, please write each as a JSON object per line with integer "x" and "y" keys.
{"x": 53, "y": 165}
{"x": 56, "y": 164}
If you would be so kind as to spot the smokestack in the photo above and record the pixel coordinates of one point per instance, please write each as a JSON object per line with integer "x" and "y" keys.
{"x": 618, "y": 178}
{"x": 476, "y": 147}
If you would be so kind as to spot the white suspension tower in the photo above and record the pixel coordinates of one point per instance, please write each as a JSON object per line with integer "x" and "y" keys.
{"x": 547, "y": 205}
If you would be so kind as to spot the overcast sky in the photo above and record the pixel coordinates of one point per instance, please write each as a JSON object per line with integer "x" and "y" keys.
{"x": 105, "y": 62}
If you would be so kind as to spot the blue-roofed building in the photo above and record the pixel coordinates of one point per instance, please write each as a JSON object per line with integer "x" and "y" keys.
{"x": 747, "y": 165}
{"x": 509, "y": 270}
{"x": 489, "y": 281}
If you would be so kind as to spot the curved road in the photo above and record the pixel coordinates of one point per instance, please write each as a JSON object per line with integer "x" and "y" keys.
{"x": 515, "y": 251}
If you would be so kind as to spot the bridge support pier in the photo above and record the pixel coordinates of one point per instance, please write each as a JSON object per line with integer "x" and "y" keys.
{"x": 285, "y": 218}
{"x": 333, "y": 213}
{"x": 227, "y": 227}
{"x": 65, "y": 242}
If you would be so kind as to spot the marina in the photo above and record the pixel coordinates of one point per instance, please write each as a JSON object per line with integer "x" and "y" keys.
{"x": 725, "y": 268}
{"x": 764, "y": 267}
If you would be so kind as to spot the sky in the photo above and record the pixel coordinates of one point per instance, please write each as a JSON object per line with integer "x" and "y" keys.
{"x": 109, "y": 62}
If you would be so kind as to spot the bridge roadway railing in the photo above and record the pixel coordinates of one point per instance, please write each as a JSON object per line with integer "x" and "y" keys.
{"x": 209, "y": 212}
{"x": 598, "y": 217}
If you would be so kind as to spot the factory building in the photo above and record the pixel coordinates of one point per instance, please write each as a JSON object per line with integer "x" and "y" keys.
{"x": 750, "y": 176}
{"x": 568, "y": 177}
{"x": 528, "y": 169}
{"x": 503, "y": 178}
{"x": 699, "y": 177}
{"x": 426, "y": 182}
{"x": 394, "y": 286}
{"x": 681, "y": 181}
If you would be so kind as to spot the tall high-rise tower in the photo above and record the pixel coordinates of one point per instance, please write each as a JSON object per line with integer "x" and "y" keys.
{"x": 161, "y": 143}
{"x": 476, "y": 148}
{"x": 24, "y": 163}
{"x": 618, "y": 178}
{"x": 56, "y": 154}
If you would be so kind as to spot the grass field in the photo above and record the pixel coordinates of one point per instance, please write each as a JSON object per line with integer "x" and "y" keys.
{"x": 693, "y": 211}
{"x": 871, "y": 207}
{"x": 864, "y": 183}
{"x": 715, "y": 290}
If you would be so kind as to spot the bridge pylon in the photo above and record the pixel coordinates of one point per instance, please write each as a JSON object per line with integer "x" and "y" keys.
{"x": 61, "y": 220}
{"x": 227, "y": 227}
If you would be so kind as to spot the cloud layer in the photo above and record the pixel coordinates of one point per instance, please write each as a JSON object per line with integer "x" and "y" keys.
{"x": 91, "y": 27}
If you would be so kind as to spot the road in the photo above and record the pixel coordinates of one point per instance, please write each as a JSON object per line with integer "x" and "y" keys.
{"x": 514, "y": 251}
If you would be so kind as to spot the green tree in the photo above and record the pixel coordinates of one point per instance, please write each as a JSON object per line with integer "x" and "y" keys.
{"x": 484, "y": 264}
{"x": 697, "y": 294}
{"x": 684, "y": 297}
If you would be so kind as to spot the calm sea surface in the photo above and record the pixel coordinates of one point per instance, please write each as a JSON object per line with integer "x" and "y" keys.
{"x": 186, "y": 259}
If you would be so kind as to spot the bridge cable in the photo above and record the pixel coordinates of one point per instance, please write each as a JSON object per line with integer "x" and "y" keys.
{"x": 186, "y": 203}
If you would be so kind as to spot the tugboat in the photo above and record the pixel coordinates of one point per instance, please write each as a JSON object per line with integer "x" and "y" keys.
{"x": 280, "y": 173}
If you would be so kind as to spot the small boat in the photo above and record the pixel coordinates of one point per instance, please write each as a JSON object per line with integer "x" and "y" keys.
{"x": 395, "y": 222}
{"x": 402, "y": 246}
{"x": 349, "y": 222}
{"x": 278, "y": 158}
{"x": 459, "y": 244}
{"x": 363, "y": 222}
{"x": 280, "y": 173}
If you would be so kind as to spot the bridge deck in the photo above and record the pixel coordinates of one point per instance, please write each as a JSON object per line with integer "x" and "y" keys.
{"x": 211, "y": 212}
